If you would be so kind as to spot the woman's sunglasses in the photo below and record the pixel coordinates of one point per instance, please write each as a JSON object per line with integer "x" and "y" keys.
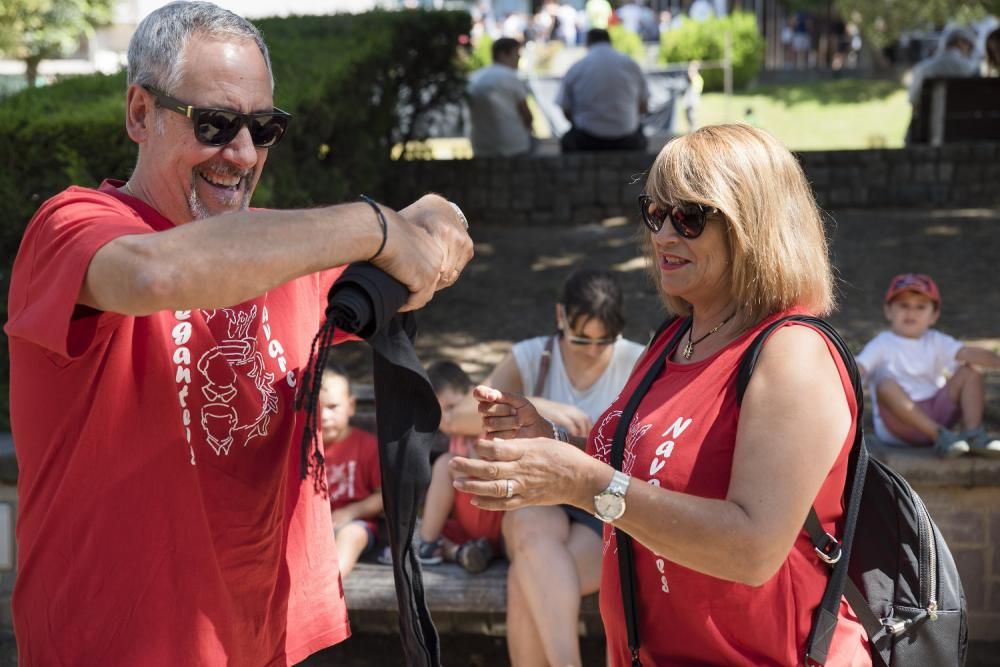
{"x": 217, "y": 127}
{"x": 687, "y": 218}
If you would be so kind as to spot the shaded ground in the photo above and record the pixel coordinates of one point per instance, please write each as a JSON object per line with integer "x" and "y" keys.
{"x": 508, "y": 291}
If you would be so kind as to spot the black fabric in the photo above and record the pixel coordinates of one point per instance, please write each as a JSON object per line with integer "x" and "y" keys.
{"x": 626, "y": 558}
{"x": 899, "y": 576}
{"x": 364, "y": 301}
{"x": 577, "y": 140}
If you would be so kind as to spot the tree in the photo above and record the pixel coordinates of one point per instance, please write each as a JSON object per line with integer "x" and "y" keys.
{"x": 882, "y": 21}
{"x": 34, "y": 30}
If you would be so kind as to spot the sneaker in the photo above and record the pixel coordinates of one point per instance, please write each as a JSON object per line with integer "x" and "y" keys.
{"x": 385, "y": 556}
{"x": 949, "y": 444}
{"x": 430, "y": 553}
{"x": 981, "y": 444}
{"x": 475, "y": 556}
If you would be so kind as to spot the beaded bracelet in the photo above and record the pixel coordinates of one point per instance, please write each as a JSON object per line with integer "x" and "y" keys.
{"x": 558, "y": 433}
{"x": 381, "y": 219}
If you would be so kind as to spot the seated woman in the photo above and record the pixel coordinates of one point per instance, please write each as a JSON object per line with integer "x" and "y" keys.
{"x": 713, "y": 494}
{"x": 555, "y": 552}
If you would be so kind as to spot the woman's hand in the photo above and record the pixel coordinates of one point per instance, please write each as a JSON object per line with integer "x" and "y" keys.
{"x": 573, "y": 419}
{"x": 509, "y": 415}
{"x": 538, "y": 471}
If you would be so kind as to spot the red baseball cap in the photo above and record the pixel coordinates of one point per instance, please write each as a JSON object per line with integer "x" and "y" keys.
{"x": 913, "y": 282}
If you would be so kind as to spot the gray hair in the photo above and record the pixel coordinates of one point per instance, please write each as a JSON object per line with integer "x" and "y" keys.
{"x": 156, "y": 50}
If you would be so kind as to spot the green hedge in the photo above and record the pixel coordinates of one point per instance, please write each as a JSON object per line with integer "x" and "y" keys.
{"x": 356, "y": 84}
{"x": 705, "y": 40}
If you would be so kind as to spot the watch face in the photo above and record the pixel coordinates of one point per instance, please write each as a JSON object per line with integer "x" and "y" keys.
{"x": 609, "y": 506}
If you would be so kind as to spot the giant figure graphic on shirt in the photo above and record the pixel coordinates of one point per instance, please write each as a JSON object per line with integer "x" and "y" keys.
{"x": 237, "y": 353}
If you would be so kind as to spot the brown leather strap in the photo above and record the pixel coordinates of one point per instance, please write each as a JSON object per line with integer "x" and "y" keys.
{"x": 543, "y": 366}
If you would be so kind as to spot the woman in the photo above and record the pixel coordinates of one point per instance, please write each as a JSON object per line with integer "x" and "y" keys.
{"x": 718, "y": 493}
{"x": 555, "y": 552}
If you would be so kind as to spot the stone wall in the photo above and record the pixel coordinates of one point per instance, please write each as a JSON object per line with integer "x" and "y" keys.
{"x": 564, "y": 189}
{"x": 963, "y": 497}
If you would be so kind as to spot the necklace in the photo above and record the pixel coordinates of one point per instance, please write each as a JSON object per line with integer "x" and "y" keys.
{"x": 128, "y": 190}
{"x": 689, "y": 348}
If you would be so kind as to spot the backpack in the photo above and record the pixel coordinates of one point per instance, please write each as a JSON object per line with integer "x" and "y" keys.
{"x": 891, "y": 562}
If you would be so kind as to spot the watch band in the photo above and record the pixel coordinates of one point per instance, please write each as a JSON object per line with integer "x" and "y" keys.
{"x": 618, "y": 484}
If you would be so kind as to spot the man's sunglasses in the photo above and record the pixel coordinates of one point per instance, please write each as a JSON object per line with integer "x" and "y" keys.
{"x": 217, "y": 127}
{"x": 687, "y": 218}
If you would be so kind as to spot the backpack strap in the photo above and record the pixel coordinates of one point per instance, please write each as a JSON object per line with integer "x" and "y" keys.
{"x": 626, "y": 559}
{"x": 543, "y": 365}
{"x": 836, "y": 554}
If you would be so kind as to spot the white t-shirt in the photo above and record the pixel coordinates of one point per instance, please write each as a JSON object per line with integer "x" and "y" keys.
{"x": 495, "y": 93}
{"x": 594, "y": 400}
{"x": 921, "y": 366}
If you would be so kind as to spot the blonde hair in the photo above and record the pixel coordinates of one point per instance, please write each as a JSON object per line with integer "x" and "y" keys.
{"x": 775, "y": 234}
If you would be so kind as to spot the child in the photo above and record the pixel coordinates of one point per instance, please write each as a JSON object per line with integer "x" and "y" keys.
{"x": 915, "y": 400}
{"x": 352, "y": 470}
{"x": 471, "y": 536}
{"x": 692, "y": 96}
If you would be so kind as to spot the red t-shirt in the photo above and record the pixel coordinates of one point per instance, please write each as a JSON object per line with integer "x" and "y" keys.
{"x": 352, "y": 468}
{"x": 162, "y": 519}
{"x": 682, "y": 438}
{"x": 469, "y": 522}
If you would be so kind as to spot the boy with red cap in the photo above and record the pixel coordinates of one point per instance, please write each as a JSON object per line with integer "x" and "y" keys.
{"x": 924, "y": 383}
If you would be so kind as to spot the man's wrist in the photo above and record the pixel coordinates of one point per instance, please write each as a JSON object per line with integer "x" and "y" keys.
{"x": 461, "y": 216}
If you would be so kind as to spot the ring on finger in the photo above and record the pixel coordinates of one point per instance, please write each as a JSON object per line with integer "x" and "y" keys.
{"x": 510, "y": 488}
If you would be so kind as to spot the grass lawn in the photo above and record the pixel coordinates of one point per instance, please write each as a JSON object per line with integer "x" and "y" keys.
{"x": 843, "y": 113}
{"x": 820, "y": 115}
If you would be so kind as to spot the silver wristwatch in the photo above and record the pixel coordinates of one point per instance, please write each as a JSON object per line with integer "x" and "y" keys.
{"x": 609, "y": 504}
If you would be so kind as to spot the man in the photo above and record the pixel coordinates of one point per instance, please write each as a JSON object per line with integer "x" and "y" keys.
{"x": 953, "y": 60}
{"x": 603, "y": 95}
{"x": 498, "y": 105}
{"x": 158, "y": 331}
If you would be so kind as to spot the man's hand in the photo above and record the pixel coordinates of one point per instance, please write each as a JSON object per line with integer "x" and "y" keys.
{"x": 427, "y": 246}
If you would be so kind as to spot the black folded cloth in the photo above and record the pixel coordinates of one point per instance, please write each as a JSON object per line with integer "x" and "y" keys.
{"x": 365, "y": 301}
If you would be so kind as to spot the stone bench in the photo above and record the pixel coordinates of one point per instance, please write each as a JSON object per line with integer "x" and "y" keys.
{"x": 459, "y": 602}
{"x": 956, "y": 110}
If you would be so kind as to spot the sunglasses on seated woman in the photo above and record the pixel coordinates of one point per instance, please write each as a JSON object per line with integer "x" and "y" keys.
{"x": 573, "y": 339}
{"x": 217, "y": 127}
{"x": 688, "y": 218}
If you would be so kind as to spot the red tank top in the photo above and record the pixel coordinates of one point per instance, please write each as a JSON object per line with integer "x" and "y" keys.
{"x": 682, "y": 438}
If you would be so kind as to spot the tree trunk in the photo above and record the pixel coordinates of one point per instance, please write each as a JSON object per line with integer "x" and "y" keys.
{"x": 31, "y": 70}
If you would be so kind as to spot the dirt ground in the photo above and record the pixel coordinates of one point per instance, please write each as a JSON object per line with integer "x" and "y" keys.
{"x": 508, "y": 291}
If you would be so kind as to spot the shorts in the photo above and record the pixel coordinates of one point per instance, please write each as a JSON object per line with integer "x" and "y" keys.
{"x": 938, "y": 407}
{"x": 469, "y": 522}
{"x": 577, "y": 515}
{"x": 371, "y": 530}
